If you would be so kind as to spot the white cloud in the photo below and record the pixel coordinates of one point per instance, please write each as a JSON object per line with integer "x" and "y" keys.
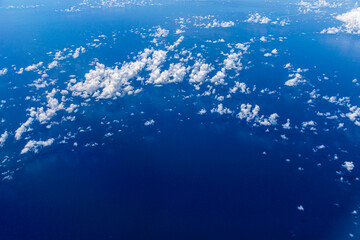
{"x": 248, "y": 112}
{"x": 220, "y": 109}
{"x": 233, "y": 61}
{"x": 348, "y": 165}
{"x": 21, "y": 70}
{"x": 33, "y": 146}
{"x": 199, "y": 72}
{"x": 53, "y": 105}
{"x": 149, "y": 122}
{"x": 78, "y": 51}
{"x": 272, "y": 120}
{"x": 33, "y": 67}
{"x": 216, "y": 23}
{"x": 287, "y": 124}
{"x": 241, "y": 87}
{"x": 354, "y": 114}
{"x": 3, "y": 71}
{"x": 309, "y": 123}
{"x": 160, "y": 32}
{"x": 202, "y": 111}
{"x": 257, "y": 18}
{"x": 52, "y": 64}
{"x": 210, "y": 22}
{"x": 175, "y": 73}
{"x": 351, "y": 23}
{"x": 305, "y": 7}
{"x": 172, "y": 47}
{"x": 3, "y": 138}
{"x": 274, "y": 51}
{"x": 105, "y": 82}
{"x": 25, "y": 127}
{"x": 296, "y": 77}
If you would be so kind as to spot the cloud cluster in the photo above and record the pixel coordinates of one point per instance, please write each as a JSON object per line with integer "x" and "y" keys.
{"x": 3, "y": 138}
{"x": 306, "y": 7}
{"x": 257, "y": 18}
{"x": 34, "y": 146}
{"x": 3, "y": 71}
{"x": 351, "y": 23}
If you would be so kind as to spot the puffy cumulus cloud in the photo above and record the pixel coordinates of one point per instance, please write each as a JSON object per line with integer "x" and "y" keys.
{"x": 105, "y": 82}
{"x": 3, "y": 138}
{"x": 53, "y": 105}
{"x": 308, "y": 124}
{"x": 111, "y": 82}
{"x": 3, "y": 71}
{"x": 220, "y": 109}
{"x": 25, "y": 127}
{"x": 199, "y": 72}
{"x": 202, "y": 111}
{"x": 219, "y": 77}
{"x": 21, "y": 70}
{"x": 34, "y": 146}
{"x": 248, "y": 112}
{"x": 33, "y": 67}
{"x": 305, "y": 7}
{"x": 351, "y": 23}
{"x": 240, "y": 87}
{"x": 72, "y": 108}
{"x": 78, "y": 51}
{"x": 295, "y": 77}
{"x": 160, "y": 32}
{"x": 351, "y": 20}
{"x": 257, "y": 18}
{"x": 41, "y": 114}
{"x": 210, "y": 22}
{"x": 233, "y": 61}
{"x": 53, "y": 64}
{"x": 158, "y": 57}
{"x": 271, "y": 120}
{"x": 216, "y": 23}
{"x": 287, "y": 124}
{"x": 243, "y": 46}
{"x": 348, "y": 165}
{"x": 175, "y": 73}
{"x": 177, "y": 43}
{"x": 273, "y": 52}
{"x": 149, "y": 122}
{"x": 68, "y": 52}
{"x": 354, "y": 115}
{"x": 251, "y": 114}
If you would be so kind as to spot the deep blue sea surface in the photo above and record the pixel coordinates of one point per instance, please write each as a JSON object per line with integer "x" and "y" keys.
{"x": 176, "y": 120}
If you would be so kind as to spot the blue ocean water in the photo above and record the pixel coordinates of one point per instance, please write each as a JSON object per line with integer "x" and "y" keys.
{"x": 185, "y": 175}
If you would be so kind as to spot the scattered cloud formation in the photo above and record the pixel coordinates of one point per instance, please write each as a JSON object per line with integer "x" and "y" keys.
{"x": 351, "y": 23}
{"x": 34, "y": 146}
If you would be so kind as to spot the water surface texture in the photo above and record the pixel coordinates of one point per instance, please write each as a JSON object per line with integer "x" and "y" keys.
{"x": 159, "y": 119}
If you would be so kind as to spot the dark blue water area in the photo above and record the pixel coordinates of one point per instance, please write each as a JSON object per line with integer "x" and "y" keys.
{"x": 186, "y": 183}
{"x": 203, "y": 178}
